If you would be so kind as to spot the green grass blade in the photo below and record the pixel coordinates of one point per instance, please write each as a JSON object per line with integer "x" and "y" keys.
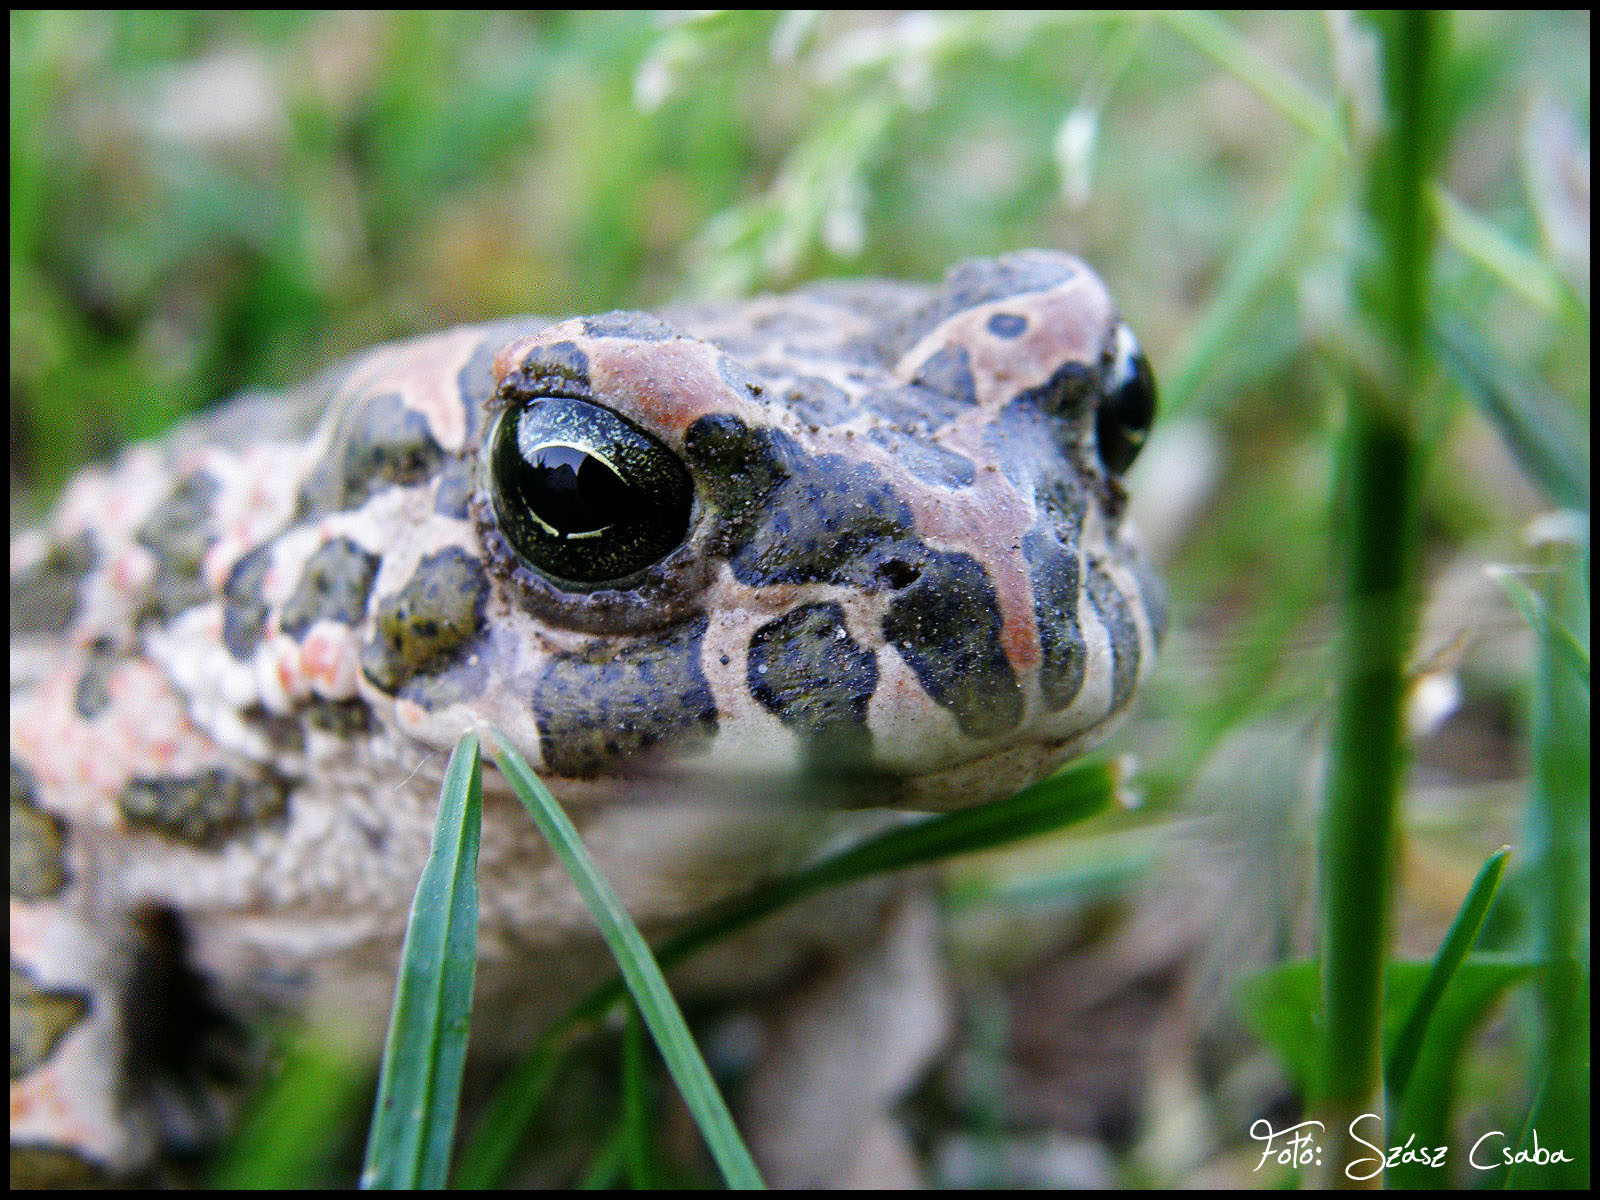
{"x": 1282, "y": 1004}
{"x": 1260, "y": 263}
{"x": 1559, "y": 867}
{"x": 1083, "y": 790}
{"x": 1425, "y": 1117}
{"x": 1542, "y": 432}
{"x": 641, "y": 972}
{"x": 1214, "y": 36}
{"x": 638, "y": 1146}
{"x": 1563, "y": 646}
{"x": 1463, "y": 931}
{"x": 605, "y": 1168}
{"x": 488, "y": 1153}
{"x": 282, "y": 1142}
{"x": 1380, "y": 516}
{"x": 419, "y": 1087}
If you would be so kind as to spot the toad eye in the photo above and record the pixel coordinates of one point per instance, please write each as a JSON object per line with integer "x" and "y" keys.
{"x": 1129, "y": 404}
{"x": 583, "y": 496}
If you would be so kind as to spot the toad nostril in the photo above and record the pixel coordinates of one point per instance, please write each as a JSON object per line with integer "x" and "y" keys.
{"x": 898, "y": 574}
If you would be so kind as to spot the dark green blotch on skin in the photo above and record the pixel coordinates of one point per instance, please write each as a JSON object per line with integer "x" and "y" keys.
{"x": 1033, "y": 448}
{"x": 927, "y": 460}
{"x": 949, "y": 372}
{"x": 44, "y": 597}
{"x": 90, "y": 698}
{"x": 40, "y": 1018}
{"x": 334, "y": 587}
{"x": 946, "y": 626}
{"x": 438, "y": 611}
{"x": 834, "y": 523}
{"x": 737, "y": 467}
{"x": 1062, "y": 505}
{"x": 1053, "y": 569}
{"x": 1115, "y": 614}
{"x": 38, "y": 842}
{"x": 561, "y": 369}
{"x": 461, "y": 679}
{"x": 281, "y": 731}
{"x": 244, "y": 607}
{"x": 381, "y": 443}
{"x": 620, "y": 699}
{"x": 1072, "y": 389}
{"x": 641, "y": 327}
{"x": 806, "y": 670}
{"x": 178, "y": 533}
{"x": 205, "y": 809}
{"x": 341, "y": 718}
{"x": 793, "y": 517}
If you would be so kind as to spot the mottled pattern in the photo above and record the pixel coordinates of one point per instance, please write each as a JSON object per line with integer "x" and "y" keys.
{"x": 808, "y": 671}
{"x": 440, "y": 608}
{"x": 1055, "y": 607}
{"x": 36, "y": 843}
{"x": 607, "y": 705}
{"x": 380, "y": 443}
{"x": 244, "y": 608}
{"x": 947, "y": 626}
{"x": 1116, "y": 614}
{"x": 40, "y": 1018}
{"x": 178, "y": 533}
{"x": 204, "y": 809}
{"x": 862, "y": 543}
{"x": 44, "y": 593}
{"x": 333, "y": 587}
{"x": 91, "y": 698}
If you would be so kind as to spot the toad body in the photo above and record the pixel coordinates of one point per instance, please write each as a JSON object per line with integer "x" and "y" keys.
{"x": 727, "y": 576}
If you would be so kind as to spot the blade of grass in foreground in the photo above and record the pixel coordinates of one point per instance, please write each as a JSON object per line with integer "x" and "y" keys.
{"x": 1463, "y": 930}
{"x": 419, "y": 1086}
{"x": 1379, "y": 527}
{"x": 1048, "y": 805}
{"x": 1081, "y": 791}
{"x": 641, "y": 972}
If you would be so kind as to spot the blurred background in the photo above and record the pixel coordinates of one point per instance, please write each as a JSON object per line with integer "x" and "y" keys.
{"x": 206, "y": 203}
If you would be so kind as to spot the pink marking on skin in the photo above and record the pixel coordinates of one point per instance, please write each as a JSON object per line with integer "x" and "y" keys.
{"x": 988, "y": 521}
{"x": 223, "y": 555}
{"x": 509, "y": 357}
{"x": 43, "y": 1102}
{"x": 82, "y": 764}
{"x": 1067, "y": 324}
{"x": 426, "y": 375}
{"x": 131, "y": 570}
{"x": 328, "y": 660}
{"x": 410, "y": 717}
{"x": 279, "y": 679}
{"x": 665, "y": 385}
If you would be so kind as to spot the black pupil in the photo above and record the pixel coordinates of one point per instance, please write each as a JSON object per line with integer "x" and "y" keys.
{"x": 584, "y": 496}
{"x": 1125, "y": 417}
{"x": 573, "y": 491}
